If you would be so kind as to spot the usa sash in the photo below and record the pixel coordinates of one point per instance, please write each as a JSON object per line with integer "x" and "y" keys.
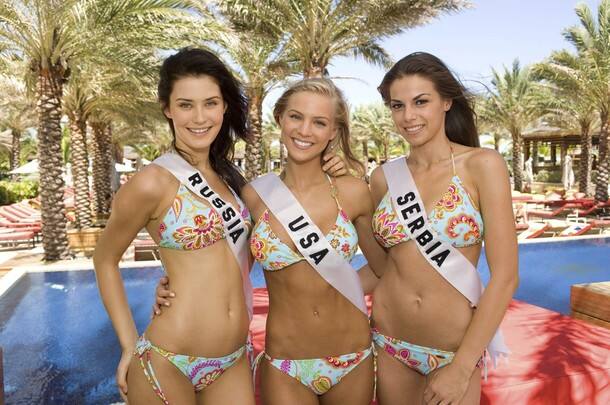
{"x": 309, "y": 239}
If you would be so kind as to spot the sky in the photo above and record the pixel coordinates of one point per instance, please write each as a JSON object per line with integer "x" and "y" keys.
{"x": 490, "y": 34}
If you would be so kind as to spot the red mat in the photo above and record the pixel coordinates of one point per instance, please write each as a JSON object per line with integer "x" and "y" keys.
{"x": 555, "y": 360}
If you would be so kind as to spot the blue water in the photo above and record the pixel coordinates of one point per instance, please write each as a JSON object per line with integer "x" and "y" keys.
{"x": 59, "y": 346}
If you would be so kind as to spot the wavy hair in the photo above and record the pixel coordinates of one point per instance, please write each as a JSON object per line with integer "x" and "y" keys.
{"x": 193, "y": 62}
{"x": 325, "y": 87}
{"x": 460, "y": 121}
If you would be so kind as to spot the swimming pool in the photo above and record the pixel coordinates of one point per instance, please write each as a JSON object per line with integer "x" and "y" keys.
{"x": 60, "y": 348}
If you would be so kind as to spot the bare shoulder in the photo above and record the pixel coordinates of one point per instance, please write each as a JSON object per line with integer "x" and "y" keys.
{"x": 351, "y": 187}
{"x": 151, "y": 182}
{"x": 485, "y": 161}
{"x": 252, "y": 200}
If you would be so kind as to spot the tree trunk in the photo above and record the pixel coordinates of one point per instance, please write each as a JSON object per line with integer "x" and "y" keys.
{"x": 603, "y": 165}
{"x": 518, "y": 161}
{"x": 535, "y": 157}
{"x": 80, "y": 166}
{"x": 101, "y": 151}
{"x": 497, "y": 142}
{"x": 365, "y": 153}
{"x": 281, "y": 154}
{"x": 584, "y": 170}
{"x": 54, "y": 236}
{"x": 15, "y": 152}
{"x": 313, "y": 71}
{"x": 254, "y": 148}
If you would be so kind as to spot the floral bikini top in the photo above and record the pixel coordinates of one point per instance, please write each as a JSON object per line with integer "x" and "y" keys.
{"x": 273, "y": 254}
{"x": 455, "y": 218}
{"x": 190, "y": 224}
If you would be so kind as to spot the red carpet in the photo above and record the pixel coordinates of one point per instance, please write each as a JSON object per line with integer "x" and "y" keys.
{"x": 556, "y": 360}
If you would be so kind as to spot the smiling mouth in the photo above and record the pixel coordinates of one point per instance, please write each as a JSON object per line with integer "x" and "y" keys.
{"x": 301, "y": 144}
{"x": 199, "y": 131}
{"x": 413, "y": 129}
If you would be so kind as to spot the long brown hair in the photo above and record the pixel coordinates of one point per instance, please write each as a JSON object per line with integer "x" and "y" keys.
{"x": 460, "y": 124}
{"x": 327, "y": 88}
{"x": 193, "y": 62}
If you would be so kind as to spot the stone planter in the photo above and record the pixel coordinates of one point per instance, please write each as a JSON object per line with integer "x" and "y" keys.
{"x": 84, "y": 240}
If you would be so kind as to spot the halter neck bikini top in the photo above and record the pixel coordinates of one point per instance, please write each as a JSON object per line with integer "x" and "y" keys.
{"x": 455, "y": 218}
{"x": 190, "y": 224}
{"x": 273, "y": 254}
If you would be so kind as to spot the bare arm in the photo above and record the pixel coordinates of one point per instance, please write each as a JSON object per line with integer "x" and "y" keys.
{"x": 450, "y": 383}
{"x": 501, "y": 252}
{"x": 133, "y": 206}
{"x": 356, "y": 194}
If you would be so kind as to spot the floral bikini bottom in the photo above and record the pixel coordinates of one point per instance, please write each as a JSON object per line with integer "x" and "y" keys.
{"x": 319, "y": 375}
{"x": 201, "y": 371}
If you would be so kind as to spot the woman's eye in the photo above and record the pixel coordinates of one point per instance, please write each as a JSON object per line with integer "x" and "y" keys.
{"x": 211, "y": 103}
{"x": 395, "y": 106}
{"x": 294, "y": 116}
{"x": 421, "y": 102}
{"x": 320, "y": 123}
{"x": 184, "y": 105}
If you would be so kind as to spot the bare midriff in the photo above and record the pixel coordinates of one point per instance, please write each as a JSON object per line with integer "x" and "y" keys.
{"x": 414, "y": 303}
{"x": 208, "y": 317}
{"x": 308, "y": 318}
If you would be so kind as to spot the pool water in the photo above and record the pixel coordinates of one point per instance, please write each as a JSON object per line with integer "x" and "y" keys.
{"x": 60, "y": 348}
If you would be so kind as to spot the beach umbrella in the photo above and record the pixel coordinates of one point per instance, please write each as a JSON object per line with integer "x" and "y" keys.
{"x": 567, "y": 176}
{"x": 28, "y": 168}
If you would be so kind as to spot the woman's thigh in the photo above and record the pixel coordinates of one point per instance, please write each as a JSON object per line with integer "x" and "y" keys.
{"x": 355, "y": 388}
{"x": 396, "y": 383}
{"x": 234, "y": 386}
{"x": 278, "y": 388}
{"x": 176, "y": 387}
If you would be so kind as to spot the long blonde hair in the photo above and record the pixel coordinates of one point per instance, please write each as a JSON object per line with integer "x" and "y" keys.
{"x": 327, "y": 88}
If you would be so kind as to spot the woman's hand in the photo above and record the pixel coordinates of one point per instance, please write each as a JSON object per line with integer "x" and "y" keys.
{"x": 121, "y": 373}
{"x": 334, "y": 165}
{"x": 448, "y": 385}
{"x": 163, "y": 296}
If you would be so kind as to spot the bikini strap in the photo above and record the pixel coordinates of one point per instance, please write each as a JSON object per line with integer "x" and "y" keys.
{"x": 452, "y": 161}
{"x": 334, "y": 192}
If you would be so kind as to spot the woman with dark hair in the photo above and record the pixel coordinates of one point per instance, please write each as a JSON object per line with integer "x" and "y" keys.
{"x": 433, "y": 322}
{"x": 188, "y": 202}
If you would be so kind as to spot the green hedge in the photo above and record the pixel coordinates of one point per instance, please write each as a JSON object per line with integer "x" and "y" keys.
{"x": 11, "y": 191}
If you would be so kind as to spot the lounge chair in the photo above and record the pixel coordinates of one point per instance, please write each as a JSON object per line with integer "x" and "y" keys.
{"x": 15, "y": 238}
{"x": 593, "y": 209}
{"x": 576, "y": 228}
{"x": 145, "y": 249}
{"x": 565, "y": 208}
{"x": 534, "y": 230}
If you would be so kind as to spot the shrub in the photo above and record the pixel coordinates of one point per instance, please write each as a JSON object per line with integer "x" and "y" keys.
{"x": 11, "y": 192}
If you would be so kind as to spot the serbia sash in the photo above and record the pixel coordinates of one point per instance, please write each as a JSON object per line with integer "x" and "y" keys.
{"x": 309, "y": 239}
{"x": 236, "y": 232}
{"x": 448, "y": 261}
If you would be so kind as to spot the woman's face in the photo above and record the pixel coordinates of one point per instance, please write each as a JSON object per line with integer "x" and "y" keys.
{"x": 308, "y": 125}
{"x": 196, "y": 108}
{"x": 418, "y": 110}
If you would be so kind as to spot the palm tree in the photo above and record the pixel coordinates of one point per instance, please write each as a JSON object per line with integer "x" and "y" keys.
{"x": 592, "y": 42}
{"x": 512, "y": 105}
{"x": 16, "y": 112}
{"x": 315, "y": 31}
{"x": 54, "y": 35}
{"x": 262, "y": 64}
{"x": 570, "y": 101}
{"x": 374, "y": 123}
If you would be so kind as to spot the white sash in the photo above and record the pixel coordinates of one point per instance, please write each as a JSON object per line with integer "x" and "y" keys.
{"x": 309, "y": 239}
{"x": 448, "y": 261}
{"x": 236, "y": 232}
